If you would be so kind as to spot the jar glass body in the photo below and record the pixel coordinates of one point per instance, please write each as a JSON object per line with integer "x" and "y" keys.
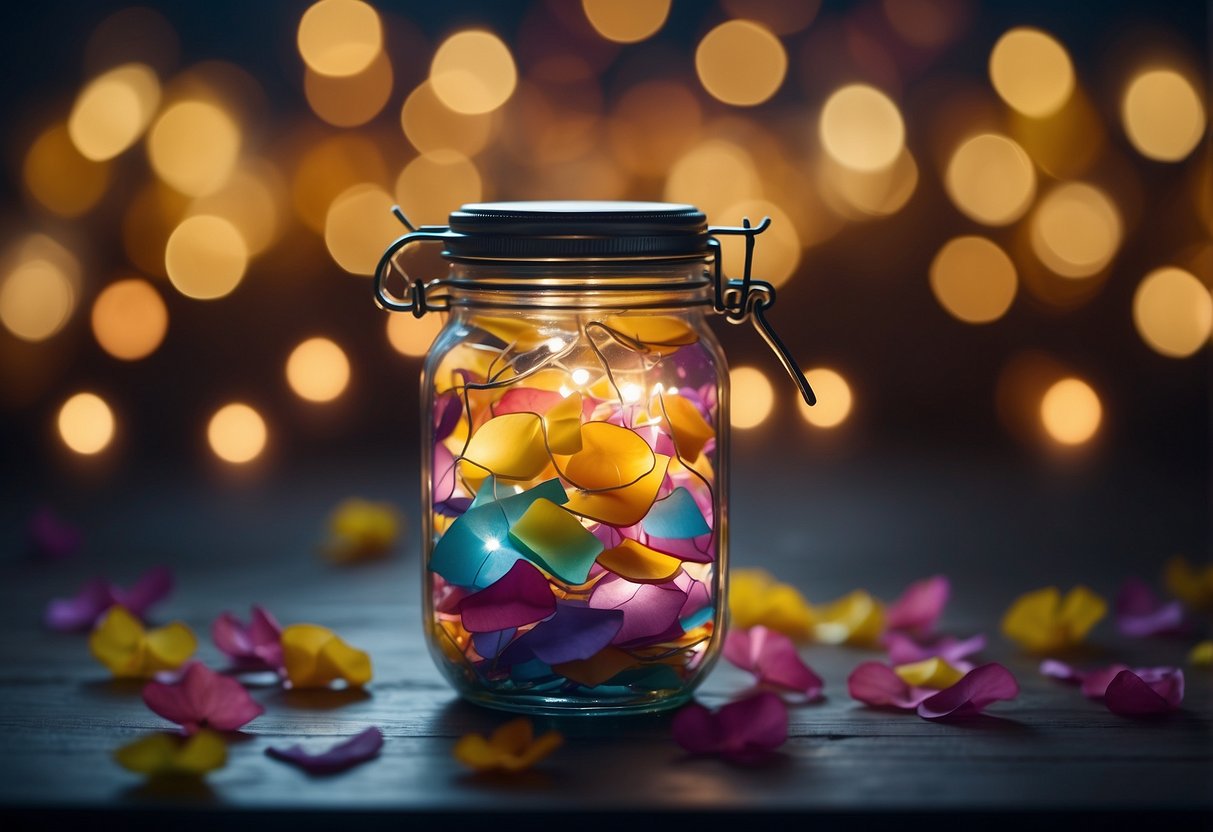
{"x": 574, "y": 482}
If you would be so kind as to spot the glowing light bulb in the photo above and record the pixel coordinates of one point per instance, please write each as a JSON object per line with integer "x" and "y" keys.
{"x": 555, "y": 344}
{"x": 631, "y": 393}
{"x": 492, "y": 544}
{"x": 581, "y": 376}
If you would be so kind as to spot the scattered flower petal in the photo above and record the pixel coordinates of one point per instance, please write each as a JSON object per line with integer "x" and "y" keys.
{"x": 84, "y": 610}
{"x": 1201, "y": 655}
{"x": 903, "y": 649}
{"x": 1140, "y": 613}
{"x": 772, "y": 658}
{"x": 1151, "y": 693}
{"x": 129, "y": 651}
{"x": 746, "y": 731}
{"x": 1042, "y": 620}
{"x": 755, "y": 598}
{"x": 257, "y": 646}
{"x": 162, "y": 754}
{"x": 857, "y": 618}
{"x": 362, "y": 530}
{"x": 1095, "y": 683}
{"x": 314, "y": 657}
{"x": 1190, "y": 584}
{"x": 511, "y": 748}
{"x": 919, "y": 607}
{"x": 202, "y": 698}
{"x": 52, "y": 537}
{"x": 358, "y": 749}
{"x": 879, "y": 686}
{"x": 980, "y": 687}
{"x": 929, "y": 673}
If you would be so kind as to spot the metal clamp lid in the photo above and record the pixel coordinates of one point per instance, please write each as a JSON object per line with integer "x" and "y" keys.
{"x": 737, "y": 299}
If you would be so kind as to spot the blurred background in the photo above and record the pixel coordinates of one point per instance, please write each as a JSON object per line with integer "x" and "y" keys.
{"x": 992, "y": 229}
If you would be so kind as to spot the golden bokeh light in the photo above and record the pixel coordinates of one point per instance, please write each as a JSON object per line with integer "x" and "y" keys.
{"x": 129, "y": 319}
{"x": 861, "y": 128}
{"x": 780, "y": 16}
{"x": 205, "y": 257}
{"x": 413, "y": 336}
{"x": 1031, "y": 72}
{"x": 150, "y": 217}
{"x": 237, "y": 433}
{"x": 834, "y": 398}
{"x": 350, "y": 100}
{"x": 861, "y": 194}
{"x": 653, "y": 124}
{"x": 252, "y": 202}
{"x": 329, "y": 168}
{"x": 339, "y": 38}
{"x": 991, "y": 179}
{"x": 752, "y": 397}
{"x": 776, "y": 252}
{"x": 60, "y": 178}
{"x": 1070, "y": 411}
{"x": 1173, "y": 312}
{"x": 86, "y": 423}
{"x": 318, "y": 370}
{"x": 430, "y": 125}
{"x": 1076, "y": 230}
{"x": 1163, "y": 115}
{"x": 113, "y": 110}
{"x": 473, "y": 72}
{"x": 193, "y": 147}
{"x": 973, "y": 279}
{"x": 626, "y": 21}
{"x": 359, "y": 226}
{"x": 434, "y": 184}
{"x": 36, "y": 298}
{"x": 741, "y": 63}
{"x": 713, "y": 176}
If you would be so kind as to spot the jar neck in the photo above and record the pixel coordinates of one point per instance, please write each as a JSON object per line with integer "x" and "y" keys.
{"x": 674, "y": 283}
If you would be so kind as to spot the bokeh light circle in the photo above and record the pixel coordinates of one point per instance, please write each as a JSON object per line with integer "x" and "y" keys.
{"x": 834, "y": 398}
{"x": 1173, "y": 312}
{"x": 741, "y": 63}
{"x": 237, "y": 433}
{"x": 430, "y": 125}
{"x": 752, "y": 397}
{"x": 205, "y": 257}
{"x": 129, "y": 319}
{"x": 1070, "y": 411}
{"x": 194, "y": 146}
{"x": 973, "y": 279}
{"x": 777, "y": 254}
{"x": 1076, "y": 230}
{"x": 36, "y": 299}
{"x": 1031, "y": 72}
{"x": 60, "y": 178}
{"x": 113, "y": 110}
{"x": 1163, "y": 115}
{"x": 339, "y": 37}
{"x": 413, "y": 336}
{"x": 434, "y": 184}
{"x": 318, "y": 370}
{"x": 358, "y": 227}
{"x": 626, "y": 21}
{"x": 473, "y": 72}
{"x": 991, "y": 179}
{"x": 86, "y": 423}
{"x": 861, "y": 128}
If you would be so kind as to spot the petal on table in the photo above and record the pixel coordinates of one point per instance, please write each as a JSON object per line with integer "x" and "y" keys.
{"x": 639, "y": 564}
{"x": 81, "y": 611}
{"x": 168, "y": 647}
{"x": 691, "y": 431}
{"x": 257, "y": 646}
{"x": 522, "y": 596}
{"x": 573, "y": 633}
{"x": 361, "y": 530}
{"x": 625, "y": 506}
{"x": 980, "y": 688}
{"x": 563, "y": 424}
{"x": 903, "y": 649}
{"x": 1201, "y": 655}
{"x": 511, "y": 748}
{"x": 1081, "y": 610}
{"x": 745, "y": 731}
{"x": 1140, "y": 613}
{"x": 360, "y": 748}
{"x": 929, "y": 673}
{"x": 676, "y": 517}
{"x": 773, "y": 659}
{"x": 1041, "y": 620}
{"x": 755, "y": 597}
{"x": 120, "y": 643}
{"x": 153, "y": 586}
{"x": 857, "y": 618}
{"x": 919, "y": 607}
{"x": 1153, "y": 693}
{"x": 556, "y": 540}
{"x": 509, "y": 447}
{"x": 875, "y": 684}
{"x": 1191, "y": 584}
{"x": 1061, "y": 671}
{"x": 167, "y": 754}
{"x": 315, "y": 657}
{"x": 1094, "y": 683}
{"x": 202, "y": 698}
{"x": 611, "y": 457}
{"x": 660, "y": 334}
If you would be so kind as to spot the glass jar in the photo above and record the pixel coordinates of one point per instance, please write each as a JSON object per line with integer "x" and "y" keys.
{"x": 575, "y": 451}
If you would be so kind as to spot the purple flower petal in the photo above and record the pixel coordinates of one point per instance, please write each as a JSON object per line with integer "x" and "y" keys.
{"x": 875, "y": 684}
{"x": 358, "y": 749}
{"x": 490, "y": 645}
{"x": 979, "y": 688}
{"x": 773, "y": 659}
{"x": 1140, "y": 613}
{"x": 745, "y": 731}
{"x": 919, "y": 607}
{"x": 81, "y": 611}
{"x": 52, "y": 537}
{"x": 202, "y": 698}
{"x": 574, "y": 632}
{"x": 1094, "y": 683}
{"x": 650, "y": 611}
{"x": 1155, "y": 692}
{"x": 255, "y": 647}
{"x": 447, "y": 411}
{"x": 903, "y": 649}
{"x": 1061, "y": 671}
{"x": 521, "y": 596}
{"x": 155, "y": 585}
{"x": 445, "y": 473}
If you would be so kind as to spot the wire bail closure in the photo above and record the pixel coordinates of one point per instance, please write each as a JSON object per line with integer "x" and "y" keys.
{"x": 737, "y": 299}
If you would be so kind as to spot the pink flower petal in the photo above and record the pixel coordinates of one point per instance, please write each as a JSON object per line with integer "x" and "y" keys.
{"x": 202, "y": 698}
{"x": 255, "y": 647}
{"x": 745, "y": 731}
{"x": 154, "y": 586}
{"x": 650, "y": 611}
{"x": 81, "y": 611}
{"x": 773, "y": 659}
{"x": 1094, "y": 683}
{"x": 875, "y": 684}
{"x": 358, "y": 749}
{"x": 979, "y": 688}
{"x": 527, "y": 400}
{"x": 903, "y": 649}
{"x": 1155, "y": 692}
{"x": 1140, "y": 613}
{"x": 519, "y": 597}
{"x": 52, "y": 537}
{"x": 1061, "y": 671}
{"x": 919, "y": 607}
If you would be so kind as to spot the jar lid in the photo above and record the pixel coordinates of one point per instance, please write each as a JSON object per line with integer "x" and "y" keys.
{"x": 576, "y": 229}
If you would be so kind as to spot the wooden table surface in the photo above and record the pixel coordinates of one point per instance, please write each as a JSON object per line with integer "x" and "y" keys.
{"x": 998, "y": 528}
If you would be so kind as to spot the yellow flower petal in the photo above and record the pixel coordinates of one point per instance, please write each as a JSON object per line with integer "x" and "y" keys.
{"x": 623, "y": 506}
{"x": 148, "y": 755}
{"x": 639, "y": 564}
{"x": 929, "y": 673}
{"x": 857, "y": 618}
{"x": 661, "y": 334}
{"x": 117, "y": 641}
{"x": 510, "y": 447}
{"x": 511, "y": 748}
{"x": 168, "y": 647}
{"x": 338, "y": 660}
{"x": 536, "y": 751}
{"x": 1041, "y": 621}
{"x": 1193, "y": 586}
{"x": 315, "y": 657}
{"x": 610, "y": 457}
{"x": 475, "y": 752}
{"x": 204, "y": 751}
{"x": 691, "y": 431}
{"x": 513, "y": 737}
{"x": 362, "y": 529}
{"x": 161, "y": 754}
{"x": 756, "y": 598}
{"x": 564, "y": 426}
{"x": 1201, "y": 655}
{"x": 1081, "y": 610}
